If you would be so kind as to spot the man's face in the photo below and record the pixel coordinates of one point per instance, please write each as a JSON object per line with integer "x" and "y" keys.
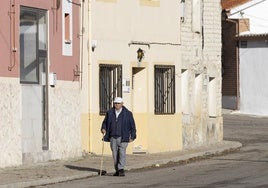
{"x": 118, "y": 106}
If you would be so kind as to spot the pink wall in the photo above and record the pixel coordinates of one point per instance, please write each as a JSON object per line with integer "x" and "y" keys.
{"x": 9, "y": 37}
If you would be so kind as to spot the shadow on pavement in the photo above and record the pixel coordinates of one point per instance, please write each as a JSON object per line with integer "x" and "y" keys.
{"x": 103, "y": 172}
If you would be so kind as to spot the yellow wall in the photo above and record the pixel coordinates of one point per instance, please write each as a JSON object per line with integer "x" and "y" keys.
{"x": 85, "y": 131}
{"x": 155, "y": 3}
{"x": 96, "y": 136}
{"x": 141, "y": 143}
{"x": 165, "y": 133}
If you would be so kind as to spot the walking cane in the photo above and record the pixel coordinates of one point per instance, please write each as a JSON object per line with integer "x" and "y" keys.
{"x": 102, "y": 172}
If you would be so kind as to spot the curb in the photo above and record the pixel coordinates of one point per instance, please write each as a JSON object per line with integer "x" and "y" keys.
{"x": 48, "y": 180}
{"x": 229, "y": 147}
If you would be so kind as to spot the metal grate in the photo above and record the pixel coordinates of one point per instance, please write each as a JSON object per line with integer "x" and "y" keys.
{"x": 110, "y": 85}
{"x": 164, "y": 88}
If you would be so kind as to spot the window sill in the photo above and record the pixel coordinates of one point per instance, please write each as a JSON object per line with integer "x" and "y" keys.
{"x": 67, "y": 41}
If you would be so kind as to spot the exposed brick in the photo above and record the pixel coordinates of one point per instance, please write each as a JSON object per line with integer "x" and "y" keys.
{"x": 229, "y": 59}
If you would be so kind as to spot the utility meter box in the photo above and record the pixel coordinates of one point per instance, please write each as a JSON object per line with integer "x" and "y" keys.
{"x": 52, "y": 79}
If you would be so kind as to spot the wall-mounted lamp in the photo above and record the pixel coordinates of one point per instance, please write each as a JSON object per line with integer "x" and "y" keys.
{"x": 93, "y": 45}
{"x": 140, "y": 54}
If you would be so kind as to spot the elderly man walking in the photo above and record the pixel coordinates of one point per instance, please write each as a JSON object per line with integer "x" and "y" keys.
{"x": 118, "y": 128}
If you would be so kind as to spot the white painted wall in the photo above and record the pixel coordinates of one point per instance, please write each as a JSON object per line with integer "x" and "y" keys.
{"x": 253, "y": 78}
{"x": 64, "y": 120}
{"x": 10, "y": 124}
{"x": 256, "y": 11}
{"x": 64, "y": 123}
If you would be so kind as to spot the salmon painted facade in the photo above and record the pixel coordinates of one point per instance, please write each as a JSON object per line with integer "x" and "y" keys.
{"x": 39, "y": 81}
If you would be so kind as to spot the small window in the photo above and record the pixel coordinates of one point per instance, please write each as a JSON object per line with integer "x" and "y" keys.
{"x": 29, "y": 33}
{"x": 110, "y": 85}
{"x": 212, "y": 97}
{"x": 67, "y": 28}
{"x": 164, "y": 89}
{"x": 185, "y": 91}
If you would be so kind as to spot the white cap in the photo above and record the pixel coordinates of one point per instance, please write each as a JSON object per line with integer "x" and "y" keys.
{"x": 118, "y": 100}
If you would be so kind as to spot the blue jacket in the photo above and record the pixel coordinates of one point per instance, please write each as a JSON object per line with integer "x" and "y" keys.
{"x": 128, "y": 127}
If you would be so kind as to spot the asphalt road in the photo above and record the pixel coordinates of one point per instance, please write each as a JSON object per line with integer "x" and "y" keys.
{"x": 246, "y": 168}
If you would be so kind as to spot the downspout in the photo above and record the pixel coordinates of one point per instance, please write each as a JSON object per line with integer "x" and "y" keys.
{"x": 89, "y": 70}
{"x": 12, "y": 14}
{"x": 237, "y": 64}
{"x": 82, "y": 42}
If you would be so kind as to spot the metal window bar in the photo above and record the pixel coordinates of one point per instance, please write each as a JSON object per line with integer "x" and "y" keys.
{"x": 110, "y": 85}
{"x": 164, "y": 89}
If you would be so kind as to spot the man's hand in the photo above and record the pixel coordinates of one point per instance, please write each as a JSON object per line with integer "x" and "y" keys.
{"x": 103, "y": 131}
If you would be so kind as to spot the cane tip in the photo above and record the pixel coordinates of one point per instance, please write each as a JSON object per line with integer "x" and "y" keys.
{"x": 103, "y": 172}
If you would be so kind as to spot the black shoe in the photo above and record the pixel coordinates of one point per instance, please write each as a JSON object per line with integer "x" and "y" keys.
{"x": 121, "y": 172}
{"x": 116, "y": 173}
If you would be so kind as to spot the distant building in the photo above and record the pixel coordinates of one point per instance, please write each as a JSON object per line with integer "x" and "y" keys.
{"x": 245, "y": 47}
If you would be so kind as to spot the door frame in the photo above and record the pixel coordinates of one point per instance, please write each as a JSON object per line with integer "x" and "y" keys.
{"x": 41, "y": 66}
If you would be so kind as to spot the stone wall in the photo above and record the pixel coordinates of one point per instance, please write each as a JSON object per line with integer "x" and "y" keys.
{"x": 201, "y": 56}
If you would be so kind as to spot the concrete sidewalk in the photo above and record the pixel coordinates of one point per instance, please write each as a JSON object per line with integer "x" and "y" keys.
{"x": 89, "y": 165}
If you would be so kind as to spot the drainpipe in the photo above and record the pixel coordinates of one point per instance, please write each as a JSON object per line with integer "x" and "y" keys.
{"x": 82, "y": 42}
{"x": 89, "y": 67}
{"x": 12, "y": 14}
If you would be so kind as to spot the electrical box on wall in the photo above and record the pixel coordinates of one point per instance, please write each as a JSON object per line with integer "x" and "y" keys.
{"x": 52, "y": 79}
{"x": 126, "y": 85}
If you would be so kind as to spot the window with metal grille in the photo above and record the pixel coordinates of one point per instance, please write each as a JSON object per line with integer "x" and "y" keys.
{"x": 164, "y": 89}
{"x": 110, "y": 85}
